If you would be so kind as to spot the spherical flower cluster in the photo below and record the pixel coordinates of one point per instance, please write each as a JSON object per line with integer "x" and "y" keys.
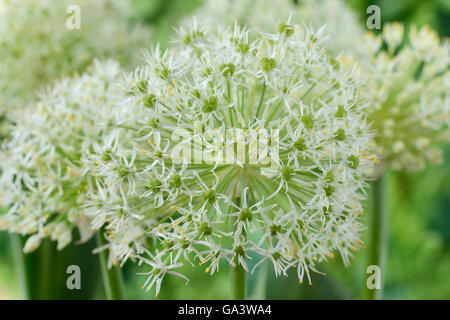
{"x": 36, "y": 46}
{"x": 230, "y": 150}
{"x": 42, "y": 180}
{"x": 342, "y": 25}
{"x": 409, "y": 91}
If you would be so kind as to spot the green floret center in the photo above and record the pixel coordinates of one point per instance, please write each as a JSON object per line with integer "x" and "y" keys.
{"x": 341, "y": 113}
{"x": 239, "y": 251}
{"x": 123, "y": 171}
{"x": 163, "y": 72}
{"x": 329, "y": 177}
{"x": 308, "y": 121}
{"x": 243, "y": 47}
{"x": 175, "y": 181}
{"x": 209, "y": 196}
{"x": 155, "y": 185}
{"x": 106, "y": 156}
{"x": 268, "y": 64}
{"x": 196, "y": 94}
{"x": 184, "y": 243}
{"x": 340, "y": 135}
{"x": 276, "y": 255}
{"x": 246, "y": 215}
{"x": 210, "y": 104}
{"x": 149, "y": 101}
{"x": 196, "y": 34}
{"x": 168, "y": 244}
{"x": 286, "y": 29}
{"x": 142, "y": 85}
{"x": 329, "y": 190}
{"x": 228, "y": 69}
{"x": 353, "y": 162}
{"x": 327, "y": 209}
{"x": 205, "y": 229}
{"x": 287, "y": 172}
{"x": 154, "y": 123}
{"x": 275, "y": 229}
{"x": 300, "y": 144}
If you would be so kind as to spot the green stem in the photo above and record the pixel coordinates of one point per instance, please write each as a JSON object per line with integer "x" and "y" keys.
{"x": 112, "y": 277}
{"x": 261, "y": 284}
{"x": 47, "y": 283}
{"x": 261, "y": 100}
{"x": 378, "y": 234}
{"x": 20, "y": 266}
{"x": 238, "y": 276}
{"x": 36, "y": 271}
{"x": 238, "y": 282}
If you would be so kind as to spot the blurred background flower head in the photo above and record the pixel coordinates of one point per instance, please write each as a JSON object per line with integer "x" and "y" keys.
{"x": 409, "y": 88}
{"x": 37, "y": 47}
{"x": 43, "y": 183}
{"x": 339, "y": 21}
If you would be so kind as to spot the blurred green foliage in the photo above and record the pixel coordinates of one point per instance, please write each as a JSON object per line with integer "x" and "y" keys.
{"x": 418, "y": 261}
{"x": 419, "y": 238}
{"x": 435, "y": 13}
{"x": 163, "y": 15}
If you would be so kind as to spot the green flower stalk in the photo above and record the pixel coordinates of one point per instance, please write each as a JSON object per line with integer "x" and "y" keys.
{"x": 229, "y": 150}
{"x": 112, "y": 275}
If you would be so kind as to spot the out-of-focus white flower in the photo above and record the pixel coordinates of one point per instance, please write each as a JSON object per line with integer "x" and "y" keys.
{"x": 342, "y": 26}
{"x": 36, "y": 46}
{"x": 409, "y": 92}
{"x": 182, "y": 176}
{"x": 43, "y": 182}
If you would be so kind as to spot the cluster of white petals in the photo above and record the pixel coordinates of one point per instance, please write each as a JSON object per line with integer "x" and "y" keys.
{"x": 409, "y": 93}
{"x": 179, "y": 177}
{"x": 42, "y": 180}
{"x": 36, "y": 46}
{"x": 342, "y": 26}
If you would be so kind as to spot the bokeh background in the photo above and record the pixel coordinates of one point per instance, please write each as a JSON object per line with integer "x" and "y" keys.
{"x": 418, "y": 262}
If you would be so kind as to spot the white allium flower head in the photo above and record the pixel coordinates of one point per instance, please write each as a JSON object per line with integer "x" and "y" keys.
{"x": 232, "y": 149}
{"x": 43, "y": 182}
{"x": 342, "y": 27}
{"x": 409, "y": 91}
{"x": 36, "y": 46}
